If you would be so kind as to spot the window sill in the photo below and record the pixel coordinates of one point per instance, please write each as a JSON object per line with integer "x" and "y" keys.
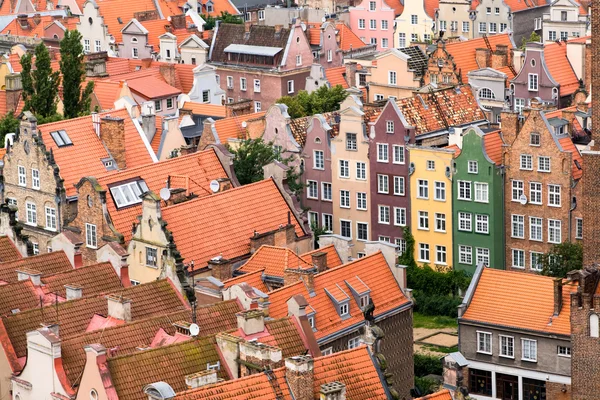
{"x": 440, "y": 200}
{"x": 423, "y": 229}
{"x": 517, "y": 267}
{"x": 398, "y": 163}
{"x": 467, "y": 199}
{"x": 518, "y": 237}
{"x": 399, "y": 194}
{"x": 383, "y": 223}
{"x": 509, "y": 357}
{"x": 564, "y": 355}
{"x": 484, "y": 352}
{"x": 531, "y": 361}
{"x": 383, "y": 192}
{"x": 422, "y": 198}
{"x": 465, "y": 230}
{"x": 438, "y": 231}
{"x": 423, "y": 261}
{"x": 482, "y": 202}
{"x": 383, "y": 161}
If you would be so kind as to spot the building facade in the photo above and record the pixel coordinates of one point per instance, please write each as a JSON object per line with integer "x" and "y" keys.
{"x": 392, "y": 77}
{"x": 373, "y": 22}
{"x": 415, "y": 24}
{"x": 564, "y": 19}
{"x": 493, "y": 17}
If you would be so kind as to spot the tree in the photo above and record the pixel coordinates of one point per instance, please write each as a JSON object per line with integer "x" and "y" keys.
{"x": 225, "y": 17}
{"x": 40, "y": 86}
{"x": 8, "y": 124}
{"x": 249, "y": 158}
{"x": 534, "y": 37}
{"x": 408, "y": 257}
{"x": 72, "y": 68}
{"x": 322, "y": 100}
{"x": 561, "y": 259}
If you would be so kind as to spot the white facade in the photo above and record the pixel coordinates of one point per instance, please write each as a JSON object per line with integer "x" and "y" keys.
{"x": 414, "y": 20}
{"x": 168, "y": 48}
{"x": 94, "y": 33}
{"x": 206, "y": 89}
{"x": 192, "y": 50}
{"x": 564, "y": 21}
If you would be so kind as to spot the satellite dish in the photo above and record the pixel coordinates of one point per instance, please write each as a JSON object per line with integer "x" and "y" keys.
{"x": 214, "y": 186}
{"x": 165, "y": 194}
{"x": 244, "y": 124}
{"x": 523, "y": 199}
{"x": 194, "y": 330}
{"x": 323, "y": 20}
{"x": 169, "y": 19}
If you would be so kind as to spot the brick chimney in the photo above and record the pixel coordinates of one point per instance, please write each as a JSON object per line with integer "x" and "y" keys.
{"x": 221, "y": 268}
{"x": 14, "y": 87}
{"x": 500, "y": 57}
{"x": 247, "y": 26}
{"x": 74, "y": 291}
{"x": 281, "y": 237}
{"x": 483, "y": 57}
{"x": 299, "y": 376}
{"x": 278, "y": 29}
{"x": 251, "y": 321}
{"x": 112, "y": 134}
{"x": 168, "y": 73}
{"x": 292, "y": 275}
{"x": 77, "y": 259}
{"x": 26, "y": 273}
{"x": 178, "y": 21}
{"x": 590, "y": 200}
{"x": 333, "y": 391}
{"x": 558, "y": 292}
{"x": 119, "y": 307}
{"x": 319, "y": 260}
{"x": 258, "y": 357}
{"x": 202, "y": 378}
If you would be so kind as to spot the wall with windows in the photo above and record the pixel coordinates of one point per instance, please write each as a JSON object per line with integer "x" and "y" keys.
{"x": 431, "y": 205}
{"x": 413, "y": 25}
{"x": 563, "y": 20}
{"x": 135, "y": 44}
{"x": 493, "y": 17}
{"x": 526, "y": 21}
{"x": 94, "y": 33}
{"x": 453, "y": 19}
{"x": 278, "y": 132}
{"x": 391, "y": 77}
{"x": 373, "y": 22}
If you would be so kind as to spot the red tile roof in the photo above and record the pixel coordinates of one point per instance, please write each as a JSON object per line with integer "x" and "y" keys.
{"x": 225, "y": 221}
{"x": 254, "y": 279}
{"x": 348, "y": 40}
{"x": 21, "y": 295}
{"x": 560, "y": 68}
{"x": 152, "y": 88}
{"x": 333, "y": 258}
{"x": 231, "y": 128}
{"x": 441, "y": 395}
{"x": 337, "y": 76}
{"x": 430, "y": 6}
{"x": 520, "y": 5}
{"x": 274, "y": 261}
{"x": 385, "y": 293}
{"x": 94, "y": 280}
{"x": 492, "y": 143}
{"x": 566, "y": 143}
{"x": 184, "y": 74}
{"x": 211, "y": 110}
{"x": 500, "y": 295}
{"x": 8, "y": 251}
{"x": 46, "y": 264}
{"x": 397, "y": 5}
{"x": 107, "y": 93}
{"x": 113, "y": 10}
{"x": 454, "y": 148}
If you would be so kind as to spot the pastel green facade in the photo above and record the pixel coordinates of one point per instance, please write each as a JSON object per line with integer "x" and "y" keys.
{"x": 478, "y": 227}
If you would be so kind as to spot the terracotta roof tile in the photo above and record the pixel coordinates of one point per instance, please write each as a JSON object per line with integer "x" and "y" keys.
{"x": 441, "y": 395}
{"x": 201, "y": 168}
{"x": 184, "y": 73}
{"x": 231, "y": 128}
{"x": 274, "y": 261}
{"x": 113, "y": 10}
{"x": 224, "y": 229}
{"x": 337, "y": 76}
{"x": 107, "y": 93}
{"x": 454, "y": 148}
{"x": 385, "y": 293}
{"x": 430, "y": 6}
{"x": 397, "y": 5}
{"x": 46, "y": 264}
{"x": 567, "y": 145}
{"x": 314, "y": 34}
{"x": 254, "y": 279}
{"x": 8, "y": 251}
{"x": 348, "y": 40}
{"x": 500, "y": 295}
{"x": 211, "y": 110}
{"x": 333, "y": 258}
{"x": 117, "y": 66}
{"x": 560, "y": 68}
{"x": 493, "y": 143}
{"x": 151, "y": 87}
{"x": 94, "y": 280}
{"x": 282, "y": 333}
{"x": 20, "y": 295}
{"x": 520, "y": 5}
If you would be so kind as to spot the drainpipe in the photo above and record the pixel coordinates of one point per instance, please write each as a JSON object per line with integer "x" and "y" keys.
{"x": 573, "y": 207}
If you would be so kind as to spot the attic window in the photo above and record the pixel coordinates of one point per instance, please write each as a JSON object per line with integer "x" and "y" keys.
{"x": 134, "y": 40}
{"x": 214, "y": 367}
{"x": 120, "y": 20}
{"x": 61, "y": 138}
{"x": 344, "y": 309}
{"x": 209, "y": 8}
{"x": 128, "y": 193}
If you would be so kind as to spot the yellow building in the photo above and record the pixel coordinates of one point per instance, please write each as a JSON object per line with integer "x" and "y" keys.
{"x": 431, "y": 205}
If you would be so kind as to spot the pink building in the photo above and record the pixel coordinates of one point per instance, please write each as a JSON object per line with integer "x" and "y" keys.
{"x": 373, "y": 22}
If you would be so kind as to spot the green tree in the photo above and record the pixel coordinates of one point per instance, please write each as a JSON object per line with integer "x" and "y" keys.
{"x": 408, "y": 257}
{"x": 225, "y": 17}
{"x": 40, "y": 85}
{"x": 72, "y": 68}
{"x": 322, "y": 100}
{"x": 249, "y": 158}
{"x": 534, "y": 37}
{"x": 561, "y": 259}
{"x": 8, "y": 124}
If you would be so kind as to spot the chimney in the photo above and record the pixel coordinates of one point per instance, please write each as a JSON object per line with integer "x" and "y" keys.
{"x": 178, "y": 21}
{"x": 168, "y": 73}
{"x": 26, "y": 273}
{"x": 74, "y": 292}
{"x": 319, "y": 260}
{"x": 258, "y": 357}
{"x": 53, "y": 328}
{"x": 14, "y": 87}
{"x": 221, "y": 268}
{"x": 77, "y": 259}
{"x": 112, "y": 134}
{"x": 22, "y": 19}
{"x": 149, "y": 125}
{"x": 351, "y": 69}
{"x": 278, "y": 29}
{"x": 292, "y": 275}
{"x": 251, "y": 321}
{"x": 202, "y": 378}
{"x": 119, "y": 307}
{"x": 187, "y": 149}
{"x": 247, "y": 26}
{"x": 229, "y": 346}
{"x": 299, "y": 376}
{"x": 500, "y": 56}
{"x": 482, "y": 57}
{"x": 558, "y": 292}
{"x": 124, "y": 274}
{"x": 182, "y": 327}
{"x": 297, "y": 306}
{"x": 333, "y": 391}
{"x": 37, "y": 18}
{"x": 510, "y": 125}
{"x": 282, "y": 237}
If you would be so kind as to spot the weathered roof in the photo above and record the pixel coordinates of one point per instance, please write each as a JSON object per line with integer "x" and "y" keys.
{"x": 441, "y": 395}
{"x": 274, "y": 261}
{"x": 254, "y": 279}
{"x": 333, "y": 258}
{"x": 94, "y": 280}
{"x": 46, "y": 264}
{"x": 8, "y": 251}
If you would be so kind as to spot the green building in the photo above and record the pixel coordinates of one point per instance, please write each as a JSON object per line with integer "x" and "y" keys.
{"x": 478, "y": 202}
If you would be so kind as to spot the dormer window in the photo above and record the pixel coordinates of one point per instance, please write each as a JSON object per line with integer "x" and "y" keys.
{"x": 359, "y": 290}
{"x": 134, "y": 40}
{"x": 364, "y": 301}
{"x": 128, "y": 193}
{"x": 340, "y": 299}
{"x": 213, "y": 367}
{"x": 344, "y": 309}
{"x": 311, "y": 321}
{"x": 61, "y": 138}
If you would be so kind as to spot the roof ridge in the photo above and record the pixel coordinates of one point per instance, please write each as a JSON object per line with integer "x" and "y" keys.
{"x": 70, "y": 271}
{"x": 155, "y": 349}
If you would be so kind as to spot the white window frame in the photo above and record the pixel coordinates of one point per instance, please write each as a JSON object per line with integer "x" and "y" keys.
{"x": 473, "y": 167}
{"x": 535, "y": 193}
{"x": 482, "y": 192}
{"x": 513, "y": 253}
{"x": 344, "y": 197}
{"x": 383, "y": 153}
{"x": 484, "y": 221}
{"x": 554, "y": 226}
{"x": 31, "y": 213}
{"x": 51, "y": 218}
{"x": 518, "y": 189}
{"x": 349, "y": 227}
{"x": 441, "y": 255}
{"x": 526, "y": 162}
{"x": 554, "y": 195}
{"x": 532, "y": 264}
{"x": 399, "y": 186}
{"x": 422, "y": 186}
{"x": 290, "y": 87}
{"x": 482, "y": 256}
{"x": 383, "y": 184}
{"x": 91, "y": 236}
{"x": 423, "y": 220}
{"x": 465, "y": 254}
{"x": 398, "y": 155}
{"x": 578, "y": 228}
{"x": 35, "y": 179}
{"x": 532, "y": 82}
{"x": 399, "y": 216}
{"x": 517, "y": 220}
{"x": 361, "y": 170}
{"x": 344, "y": 165}
{"x": 312, "y": 189}
{"x": 487, "y": 348}
{"x": 324, "y": 191}
{"x": 440, "y": 219}
{"x": 257, "y": 86}
{"x": 22, "y": 173}
{"x": 464, "y": 190}
{"x": 467, "y": 219}
{"x": 424, "y": 248}
{"x": 439, "y": 186}
{"x": 361, "y": 201}
{"x": 523, "y": 351}
{"x": 542, "y": 160}
{"x": 501, "y": 352}
{"x": 536, "y": 226}
{"x": 318, "y": 159}
{"x": 384, "y": 214}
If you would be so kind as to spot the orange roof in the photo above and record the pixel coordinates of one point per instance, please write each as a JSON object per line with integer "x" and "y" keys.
{"x": 94, "y": 280}
{"x": 441, "y": 395}
{"x": 582, "y": 39}
{"x": 156, "y": 139}
{"x": 520, "y": 5}
{"x": 500, "y": 296}
{"x": 348, "y": 40}
{"x": 225, "y": 221}
{"x": 314, "y": 34}
{"x": 463, "y": 53}
{"x": 113, "y": 10}
{"x": 46, "y": 264}
{"x": 184, "y": 75}
{"x": 37, "y": 30}
{"x": 560, "y": 68}
{"x": 336, "y": 76}
{"x": 567, "y": 145}
{"x": 274, "y": 261}
{"x": 492, "y": 143}
{"x": 354, "y": 368}
{"x": 83, "y": 158}
{"x": 8, "y": 251}
{"x": 254, "y": 279}
{"x": 430, "y": 6}
{"x": 372, "y": 270}
{"x": 106, "y": 93}
{"x": 211, "y": 110}
{"x": 200, "y": 168}
{"x": 397, "y": 5}
{"x": 231, "y": 128}
{"x": 152, "y": 88}
{"x": 454, "y": 148}
{"x": 155, "y": 28}
{"x": 333, "y": 258}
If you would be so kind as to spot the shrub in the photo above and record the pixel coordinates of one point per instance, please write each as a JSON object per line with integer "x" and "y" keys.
{"x": 427, "y": 365}
{"x": 436, "y": 304}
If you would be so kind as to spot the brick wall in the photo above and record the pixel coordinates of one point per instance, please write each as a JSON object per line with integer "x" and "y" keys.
{"x": 112, "y": 134}
{"x": 595, "y": 20}
{"x": 554, "y": 391}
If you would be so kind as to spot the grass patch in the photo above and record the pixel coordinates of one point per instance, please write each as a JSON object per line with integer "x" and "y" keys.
{"x": 438, "y": 349}
{"x": 433, "y": 322}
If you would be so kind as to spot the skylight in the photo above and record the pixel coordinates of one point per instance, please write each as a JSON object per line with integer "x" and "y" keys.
{"x": 128, "y": 193}
{"x": 61, "y": 138}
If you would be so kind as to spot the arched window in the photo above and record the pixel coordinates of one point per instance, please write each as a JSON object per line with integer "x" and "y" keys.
{"x": 485, "y": 93}
{"x": 594, "y": 327}
{"x": 134, "y": 40}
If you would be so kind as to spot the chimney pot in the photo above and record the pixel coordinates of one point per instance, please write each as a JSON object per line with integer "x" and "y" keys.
{"x": 299, "y": 375}
{"x": 35, "y": 276}
{"x": 333, "y": 391}
{"x": 119, "y": 307}
{"x": 251, "y": 321}
{"x": 221, "y": 268}
{"x": 112, "y": 134}
{"x": 78, "y": 260}
{"x": 319, "y": 260}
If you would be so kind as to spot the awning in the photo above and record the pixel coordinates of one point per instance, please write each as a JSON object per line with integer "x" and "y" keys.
{"x": 252, "y": 50}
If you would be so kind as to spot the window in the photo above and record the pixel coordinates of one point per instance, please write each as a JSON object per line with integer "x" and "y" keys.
{"x": 518, "y": 226}
{"x": 398, "y": 154}
{"x": 158, "y": 105}
{"x": 423, "y": 189}
{"x": 385, "y": 239}
{"x": 480, "y": 382}
{"x": 22, "y": 176}
{"x": 440, "y": 222}
{"x": 488, "y": 10}
{"x": 326, "y": 191}
{"x": 399, "y": 216}
{"x": 399, "y": 186}
{"x": 382, "y": 152}
{"x": 529, "y": 352}
{"x": 230, "y": 82}
{"x": 372, "y": 24}
{"x": 503, "y": 26}
{"x": 327, "y": 351}
{"x": 151, "y": 257}
{"x": 517, "y": 190}
{"x": 473, "y": 167}
{"x": 344, "y": 169}
{"x": 527, "y": 162}
{"x": 401, "y": 243}
{"x": 440, "y": 255}
{"x": 361, "y": 24}
{"x": 61, "y": 138}
{"x": 535, "y": 229}
{"x": 564, "y": 351}
{"x": 327, "y": 222}
{"x": 345, "y": 198}
{"x": 128, "y": 193}
{"x": 362, "y": 231}
{"x": 298, "y": 60}
{"x": 414, "y": 19}
{"x": 578, "y": 228}
{"x": 312, "y": 189}
{"x": 361, "y": 201}
{"x": 90, "y": 236}
{"x": 384, "y": 215}
{"x": 313, "y": 219}
{"x": 464, "y": 221}
{"x": 484, "y": 342}
{"x": 206, "y": 96}
{"x": 384, "y": 43}
{"x": 329, "y": 55}
{"x": 354, "y": 342}
{"x": 554, "y": 195}
{"x": 257, "y": 86}
{"x": 465, "y": 254}
{"x": 493, "y": 27}
{"x": 261, "y": 15}
{"x": 536, "y": 260}
{"x": 379, "y": 97}
{"x": 535, "y": 193}
{"x": 361, "y": 170}
{"x": 391, "y": 77}
{"x": 401, "y": 39}
{"x": 424, "y": 220}
{"x": 169, "y": 103}
{"x": 544, "y": 164}
{"x": 389, "y": 126}
{"x": 430, "y": 165}
{"x": 423, "y": 252}
{"x": 454, "y": 26}
{"x": 483, "y": 256}
{"x": 318, "y": 159}
{"x": 257, "y": 106}
{"x": 345, "y": 229}
{"x": 134, "y": 52}
{"x": 532, "y": 82}
{"x": 97, "y": 47}
{"x": 86, "y": 45}
{"x": 440, "y": 191}
{"x": 552, "y": 35}
{"x": 482, "y": 223}
{"x": 518, "y": 258}
{"x": 554, "y": 234}
{"x": 350, "y": 141}
{"x": 481, "y": 192}
{"x": 35, "y": 179}
{"x": 243, "y": 86}
{"x": 36, "y": 249}
{"x": 482, "y": 27}
{"x": 465, "y": 26}
{"x": 31, "y": 213}
{"x": 382, "y": 184}
{"x": 519, "y": 105}
{"x": 497, "y": 11}
{"x": 464, "y": 190}
{"x": 290, "y": 86}
{"x": 51, "y": 218}
{"x": 537, "y": 24}
{"x": 372, "y": 6}
{"x": 507, "y": 346}
{"x": 442, "y": 25}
